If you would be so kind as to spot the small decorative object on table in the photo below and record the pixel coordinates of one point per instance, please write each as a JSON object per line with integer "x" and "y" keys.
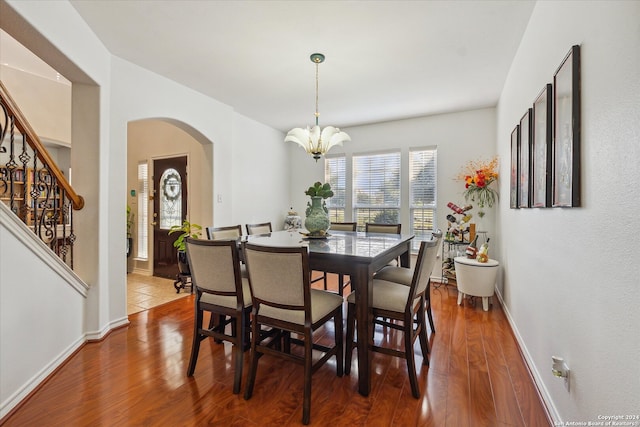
{"x": 292, "y": 221}
{"x": 317, "y": 221}
{"x": 483, "y": 253}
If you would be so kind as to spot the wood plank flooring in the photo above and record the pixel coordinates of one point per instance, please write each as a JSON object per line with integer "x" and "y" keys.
{"x": 137, "y": 376}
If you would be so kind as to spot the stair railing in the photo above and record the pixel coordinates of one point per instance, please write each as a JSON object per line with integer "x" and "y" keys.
{"x": 32, "y": 185}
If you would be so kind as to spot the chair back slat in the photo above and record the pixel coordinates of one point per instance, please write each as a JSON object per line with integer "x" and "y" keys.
{"x": 261, "y": 228}
{"x": 343, "y": 226}
{"x": 222, "y": 233}
{"x": 371, "y": 227}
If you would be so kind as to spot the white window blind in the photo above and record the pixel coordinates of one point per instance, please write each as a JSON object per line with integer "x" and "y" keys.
{"x": 143, "y": 213}
{"x": 335, "y": 174}
{"x": 376, "y": 188}
{"x": 422, "y": 192}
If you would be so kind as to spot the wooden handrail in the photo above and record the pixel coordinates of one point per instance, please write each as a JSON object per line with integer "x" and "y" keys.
{"x": 33, "y": 140}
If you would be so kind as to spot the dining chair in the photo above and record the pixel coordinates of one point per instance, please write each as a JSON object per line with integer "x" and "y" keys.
{"x": 279, "y": 279}
{"x": 395, "y": 301}
{"x": 404, "y": 276}
{"x": 260, "y": 228}
{"x": 221, "y": 291}
{"x": 373, "y": 227}
{"x": 338, "y": 226}
{"x": 219, "y": 233}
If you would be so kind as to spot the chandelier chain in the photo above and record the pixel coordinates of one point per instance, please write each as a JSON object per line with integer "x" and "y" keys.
{"x": 317, "y": 85}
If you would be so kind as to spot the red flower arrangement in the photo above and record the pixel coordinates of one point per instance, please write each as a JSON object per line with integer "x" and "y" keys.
{"x": 478, "y": 176}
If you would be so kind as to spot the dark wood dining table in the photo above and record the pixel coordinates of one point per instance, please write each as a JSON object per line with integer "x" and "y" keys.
{"x": 359, "y": 255}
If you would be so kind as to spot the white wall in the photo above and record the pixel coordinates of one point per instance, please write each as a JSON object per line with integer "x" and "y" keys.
{"x": 459, "y": 138}
{"x": 41, "y": 315}
{"x": 260, "y": 180}
{"x": 571, "y": 275}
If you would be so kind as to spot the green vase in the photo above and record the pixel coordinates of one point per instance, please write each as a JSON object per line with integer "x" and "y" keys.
{"x": 317, "y": 221}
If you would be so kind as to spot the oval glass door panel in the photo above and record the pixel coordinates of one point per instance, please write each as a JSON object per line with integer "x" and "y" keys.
{"x": 170, "y": 199}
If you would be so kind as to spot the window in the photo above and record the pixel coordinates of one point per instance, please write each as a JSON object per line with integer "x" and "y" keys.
{"x": 143, "y": 203}
{"x": 376, "y": 188}
{"x": 335, "y": 174}
{"x": 422, "y": 192}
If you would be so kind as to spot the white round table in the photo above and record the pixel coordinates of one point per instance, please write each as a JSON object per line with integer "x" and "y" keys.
{"x": 476, "y": 278}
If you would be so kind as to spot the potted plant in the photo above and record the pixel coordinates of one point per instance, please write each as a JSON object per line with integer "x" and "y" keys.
{"x": 317, "y": 221}
{"x": 129, "y": 230}
{"x": 187, "y": 229}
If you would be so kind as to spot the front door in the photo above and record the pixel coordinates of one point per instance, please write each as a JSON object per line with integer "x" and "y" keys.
{"x": 169, "y": 209}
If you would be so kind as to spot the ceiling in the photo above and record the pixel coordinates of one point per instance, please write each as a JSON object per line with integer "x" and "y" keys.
{"x": 385, "y": 60}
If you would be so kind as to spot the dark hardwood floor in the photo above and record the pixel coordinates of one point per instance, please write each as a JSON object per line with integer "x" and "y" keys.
{"x": 137, "y": 376}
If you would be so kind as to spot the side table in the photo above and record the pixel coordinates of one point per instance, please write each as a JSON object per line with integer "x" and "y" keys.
{"x": 476, "y": 278}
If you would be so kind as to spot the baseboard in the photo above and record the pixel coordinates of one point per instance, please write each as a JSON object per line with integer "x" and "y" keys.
{"x": 21, "y": 396}
{"x": 100, "y": 334}
{"x": 552, "y": 413}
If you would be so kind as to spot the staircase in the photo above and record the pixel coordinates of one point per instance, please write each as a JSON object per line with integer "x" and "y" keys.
{"x": 32, "y": 186}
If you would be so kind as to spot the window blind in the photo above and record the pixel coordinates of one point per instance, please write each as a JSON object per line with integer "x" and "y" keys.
{"x": 422, "y": 191}
{"x": 376, "y": 188}
{"x": 335, "y": 174}
{"x": 143, "y": 210}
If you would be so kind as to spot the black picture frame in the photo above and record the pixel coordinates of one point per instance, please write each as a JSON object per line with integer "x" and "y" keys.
{"x": 541, "y": 148}
{"x": 513, "y": 183}
{"x": 524, "y": 161}
{"x": 566, "y": 131}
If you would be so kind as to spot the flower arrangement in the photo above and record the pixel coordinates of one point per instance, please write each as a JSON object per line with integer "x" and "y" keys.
{"x": 478, "y": 176}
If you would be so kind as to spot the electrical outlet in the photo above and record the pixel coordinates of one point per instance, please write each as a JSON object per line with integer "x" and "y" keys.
{"x": 560, "y": 369}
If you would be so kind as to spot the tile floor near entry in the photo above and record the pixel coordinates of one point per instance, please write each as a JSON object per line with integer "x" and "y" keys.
{"x": 144, "y": 292}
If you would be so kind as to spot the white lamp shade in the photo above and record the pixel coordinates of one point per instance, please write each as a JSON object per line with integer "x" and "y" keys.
{"x": 316, "y": 141}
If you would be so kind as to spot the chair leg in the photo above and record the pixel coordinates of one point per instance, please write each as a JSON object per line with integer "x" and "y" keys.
{"x": 238, "y": 351}
{"x": 351, "y": 323}
{"x": 408, "y": 352}
{"x": 253, "y": 367}
{"x": 308, "y": 355}
{"x": 338, "y": 325}
{"x": 195, "y": 346}
{"x": 324, "y": 280}
{"x": 340, "y": 284}
{"x": 430, "y": 315}
{"x": 422, "y": 335}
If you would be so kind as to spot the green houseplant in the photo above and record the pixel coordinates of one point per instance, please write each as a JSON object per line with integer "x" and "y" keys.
{"x": 130, "y": 217}
{"x": 187, "y": 229}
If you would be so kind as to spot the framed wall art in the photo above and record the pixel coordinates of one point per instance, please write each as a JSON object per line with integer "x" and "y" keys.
{"x": 566, "y": 131}
{"x": 513, "y": 183}
{"x": 541, "y": 158}
{"x": 524, "y": 163}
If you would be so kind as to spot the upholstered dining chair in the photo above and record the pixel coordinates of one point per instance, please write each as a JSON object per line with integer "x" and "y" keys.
{"x": 220, "y": 290}
{"x": 403, "y": 303}
{"x": 260, "y": 228}
{"x": 404, "y": 276}
{"x": 283, "y": 300}
{"x": 224, "y": 233}
{"x": 338, "y": 226}
{"x": 372, "y": 227}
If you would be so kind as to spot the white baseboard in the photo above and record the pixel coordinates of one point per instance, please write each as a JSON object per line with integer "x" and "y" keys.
{"x": 542, "y": 389}
{"x": 37, "y": 379}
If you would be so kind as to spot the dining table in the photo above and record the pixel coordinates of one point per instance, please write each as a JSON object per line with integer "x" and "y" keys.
{"x": 358, "y": 255}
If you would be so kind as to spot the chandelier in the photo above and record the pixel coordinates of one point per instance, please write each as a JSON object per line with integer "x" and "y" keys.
{"x": 316, "y": 141}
